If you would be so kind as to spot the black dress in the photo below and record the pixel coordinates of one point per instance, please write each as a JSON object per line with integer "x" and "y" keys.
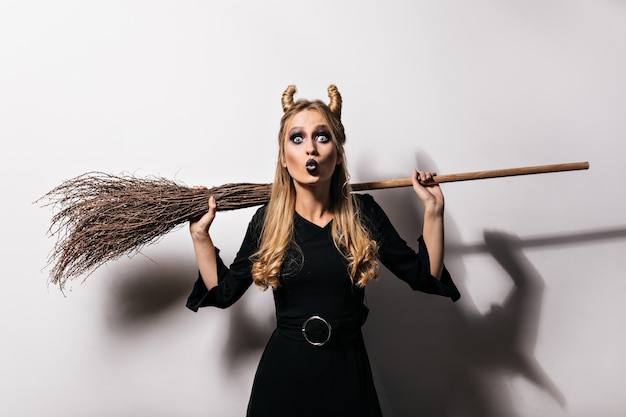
{"x": 322, "y": 370}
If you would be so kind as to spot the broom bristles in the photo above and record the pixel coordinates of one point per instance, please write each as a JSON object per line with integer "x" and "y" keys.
{"x": 102, "y": 217}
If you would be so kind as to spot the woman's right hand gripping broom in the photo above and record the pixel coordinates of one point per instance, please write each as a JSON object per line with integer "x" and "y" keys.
{"x": 203, "y": 245}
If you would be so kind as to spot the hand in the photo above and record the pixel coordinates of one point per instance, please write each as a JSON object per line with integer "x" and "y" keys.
{"x": 430, "y": 195}
{"x": 199, "y": 229}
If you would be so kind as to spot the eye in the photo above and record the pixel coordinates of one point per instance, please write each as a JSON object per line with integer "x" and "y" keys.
{"x": 296, "y": 138}
{"x": 323, "y": 137}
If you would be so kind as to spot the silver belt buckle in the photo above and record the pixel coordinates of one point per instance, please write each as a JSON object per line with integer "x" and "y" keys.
{"x": 310, "y": 319}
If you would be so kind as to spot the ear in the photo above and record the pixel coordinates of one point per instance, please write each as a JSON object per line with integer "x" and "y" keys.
{"x": 283, "y": 161}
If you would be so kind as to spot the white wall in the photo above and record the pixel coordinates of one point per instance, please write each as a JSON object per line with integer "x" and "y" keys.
{"x": 191, "y": 90}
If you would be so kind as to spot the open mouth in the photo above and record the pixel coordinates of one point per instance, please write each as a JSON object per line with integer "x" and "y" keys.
{"x": 311, "y": 166}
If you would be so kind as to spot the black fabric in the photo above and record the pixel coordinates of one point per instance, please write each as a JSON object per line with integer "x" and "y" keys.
{"x": 295, "y": 377}
{"x": 324, "y": 331}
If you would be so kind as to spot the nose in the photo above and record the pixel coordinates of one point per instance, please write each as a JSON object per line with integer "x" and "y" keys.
{"x": 311, "y": 147}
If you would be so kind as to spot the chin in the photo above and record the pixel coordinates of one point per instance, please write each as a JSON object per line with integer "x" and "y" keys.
{"x": 311, "y": 180}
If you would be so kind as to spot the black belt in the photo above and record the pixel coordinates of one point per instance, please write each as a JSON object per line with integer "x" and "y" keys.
{"x": 320, "y": 331}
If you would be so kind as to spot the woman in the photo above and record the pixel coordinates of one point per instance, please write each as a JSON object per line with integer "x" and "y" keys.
{"x": 317, "y": 246}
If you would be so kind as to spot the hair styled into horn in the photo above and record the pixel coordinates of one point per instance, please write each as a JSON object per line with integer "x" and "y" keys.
{"x": 287, "y": 99}
{"x": 333, "y": 93}
{"x": 335, "y": 100}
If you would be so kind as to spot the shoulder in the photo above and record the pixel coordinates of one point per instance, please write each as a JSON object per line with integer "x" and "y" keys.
{"x": 365, "y": 202}
{"x": 368, "y": 209}
{"x": 258, "y": 220}
{"x": 260, "y": 213}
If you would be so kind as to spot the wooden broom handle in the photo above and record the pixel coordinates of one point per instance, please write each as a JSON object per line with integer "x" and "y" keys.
{"x": 477, "y": 175}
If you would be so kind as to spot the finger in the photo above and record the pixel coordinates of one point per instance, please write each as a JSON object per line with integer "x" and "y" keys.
{"x": 210, "y": 214}
{"x": 427, "y": 178}
{"x": 415, "y": 178}
{"x": 204, "y": 222}
{"x": 212, "y": 206}
{"x": 422, "y": 176}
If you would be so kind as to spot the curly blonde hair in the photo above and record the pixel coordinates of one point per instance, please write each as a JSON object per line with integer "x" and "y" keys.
{"x": 349, "y": 234}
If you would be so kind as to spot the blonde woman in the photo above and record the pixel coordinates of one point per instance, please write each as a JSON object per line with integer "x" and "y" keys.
{"x": 316, "y": 246}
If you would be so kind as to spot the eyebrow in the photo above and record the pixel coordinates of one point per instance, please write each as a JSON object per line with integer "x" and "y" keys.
{"x": 316, "y": 129}
{"x": 322, "y": 127}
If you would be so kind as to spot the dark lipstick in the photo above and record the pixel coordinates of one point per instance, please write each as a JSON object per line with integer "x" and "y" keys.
{"x": 311, "y": 166}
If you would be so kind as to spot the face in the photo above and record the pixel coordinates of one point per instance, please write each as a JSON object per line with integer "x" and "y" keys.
{"x": 310, "y": 155}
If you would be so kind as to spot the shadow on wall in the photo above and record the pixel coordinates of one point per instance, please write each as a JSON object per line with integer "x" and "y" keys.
{"x": 440, "y": 360}
{"x": 435, "y": 359}
{"x": 141, "y": 294}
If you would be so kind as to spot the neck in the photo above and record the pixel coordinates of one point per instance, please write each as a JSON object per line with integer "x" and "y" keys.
{"x": 314, "y": 204}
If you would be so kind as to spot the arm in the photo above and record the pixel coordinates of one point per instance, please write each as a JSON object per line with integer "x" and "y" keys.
{"x": 219, "y": 285}
{"x": 203, "y": 246}
{"x": 433, "y": 201}
{"x": 411, "y": 266}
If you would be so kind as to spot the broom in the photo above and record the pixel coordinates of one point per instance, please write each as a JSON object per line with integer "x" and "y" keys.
{"x": 102, "y": 217}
